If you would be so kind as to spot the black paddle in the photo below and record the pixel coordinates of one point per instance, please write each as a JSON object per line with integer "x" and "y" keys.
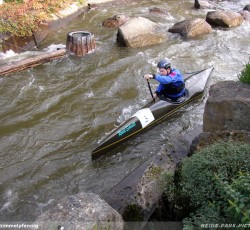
{"x": 150, "y": 91}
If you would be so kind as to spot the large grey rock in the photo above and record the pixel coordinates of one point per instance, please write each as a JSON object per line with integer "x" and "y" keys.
{"x": 157, "y": 10}
{"x": 227, "y": 107}
{"x": 139, "y": 32}
{"x": 224, "y": 18}
{"x": 80, "y": 212}
{"x": 191, "y": 27}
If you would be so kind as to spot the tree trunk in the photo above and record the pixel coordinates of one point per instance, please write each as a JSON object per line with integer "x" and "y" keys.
{"x": 32, "y": 61}
{"x": 80, "y": 42}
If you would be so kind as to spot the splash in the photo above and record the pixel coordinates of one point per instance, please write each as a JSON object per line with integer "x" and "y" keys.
{"x": 54, "y": 47}
{"x": 8, "y": 54}
{"x": 10, "y": 197}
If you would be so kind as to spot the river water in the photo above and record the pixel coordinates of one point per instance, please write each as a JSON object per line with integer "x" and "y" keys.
{"x": 53, "y": 116}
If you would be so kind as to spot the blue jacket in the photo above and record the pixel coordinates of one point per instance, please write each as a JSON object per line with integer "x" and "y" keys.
{"x": 171, "y": 86}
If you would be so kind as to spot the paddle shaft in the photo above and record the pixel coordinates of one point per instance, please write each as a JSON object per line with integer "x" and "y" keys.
{"x": 150, "y": 90}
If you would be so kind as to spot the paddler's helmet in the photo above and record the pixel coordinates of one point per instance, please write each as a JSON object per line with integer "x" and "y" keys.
{"x": 164, "y": 64}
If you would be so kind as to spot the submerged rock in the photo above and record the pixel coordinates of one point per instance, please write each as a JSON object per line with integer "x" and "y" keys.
{"x": 115, "y": 21}
{"x": 157, "y": 10}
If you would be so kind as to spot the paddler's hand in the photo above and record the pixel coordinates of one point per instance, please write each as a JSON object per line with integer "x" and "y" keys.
{"x": 148, "y": 76}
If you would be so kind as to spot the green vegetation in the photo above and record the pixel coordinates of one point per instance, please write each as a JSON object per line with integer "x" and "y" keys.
{"x": 237, "y": 193}
{"x": 22, "y": 17}
{"x": 213, "y": 186}
{"x": 154, "y": 172}
{"x": 245, "y": 74}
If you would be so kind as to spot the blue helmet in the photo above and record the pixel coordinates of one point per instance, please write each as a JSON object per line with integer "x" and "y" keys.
{"x": 164, "y": 64}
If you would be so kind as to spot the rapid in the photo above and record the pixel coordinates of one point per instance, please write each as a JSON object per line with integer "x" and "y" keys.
{"x": 52, "y": 116}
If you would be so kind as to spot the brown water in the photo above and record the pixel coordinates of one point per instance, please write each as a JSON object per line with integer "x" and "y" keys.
{"x": 52, "y": 116}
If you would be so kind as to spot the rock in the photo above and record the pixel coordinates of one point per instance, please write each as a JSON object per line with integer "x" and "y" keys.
{"x": 191, "y": 27}
{"x": 80, "y": 212}
{"x": 158, "y": 10}
{"x": 208, "y": 138}
{"x": 136, "y": 196}
{"x": 224, "y": 18}
{"x": 139, "y": 32}
{"x": 202, "y": 4}
{"x": 247, "y": 7}
{"x": 115, "y": 21}
{"x": 227, "y": 107}
{"x": 245, "y": 14}
{"x": 91, "y": 7}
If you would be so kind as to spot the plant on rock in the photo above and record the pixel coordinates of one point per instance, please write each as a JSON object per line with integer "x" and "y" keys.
{"x": 212, "y": 185}
{"x": 245, "y": 74}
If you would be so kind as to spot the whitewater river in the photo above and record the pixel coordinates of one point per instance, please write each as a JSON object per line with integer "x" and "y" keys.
{"x": 52, "y": 116}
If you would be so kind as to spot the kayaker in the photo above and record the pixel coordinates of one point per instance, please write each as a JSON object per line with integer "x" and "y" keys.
{"x": 171, "y": 81}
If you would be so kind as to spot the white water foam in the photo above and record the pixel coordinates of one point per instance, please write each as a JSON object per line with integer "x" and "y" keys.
{"x": 9, "y": 53}
{"x": 54, "y": 47}
{"x": 10, "y": 197}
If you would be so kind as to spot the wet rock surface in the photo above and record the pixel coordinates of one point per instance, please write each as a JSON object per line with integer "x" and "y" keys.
{"x": 227, "y": 107}
{"x": 140, "y": 32}
{"x": 191, "y": 27}
{"x": 208, "y": 138}
{"x": 139, "y": 192}
{"x": 81, "y": 211}
{"x": 115, "y": 21}
{"x": 224, "y": 18}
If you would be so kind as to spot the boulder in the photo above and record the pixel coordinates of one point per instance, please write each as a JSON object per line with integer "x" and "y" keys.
{"x": 245, "y": 14}
{"x": 115, "y": 21}
{"x": 191, "y": 27}
{"x": 247, "y": 7}
{"x": 139, "y": 32}
{"x": 224, "y": 18}
{"x": 202, "y": 4}
{"x": 80, "y": 212}
{"x": 227, "y": 107}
